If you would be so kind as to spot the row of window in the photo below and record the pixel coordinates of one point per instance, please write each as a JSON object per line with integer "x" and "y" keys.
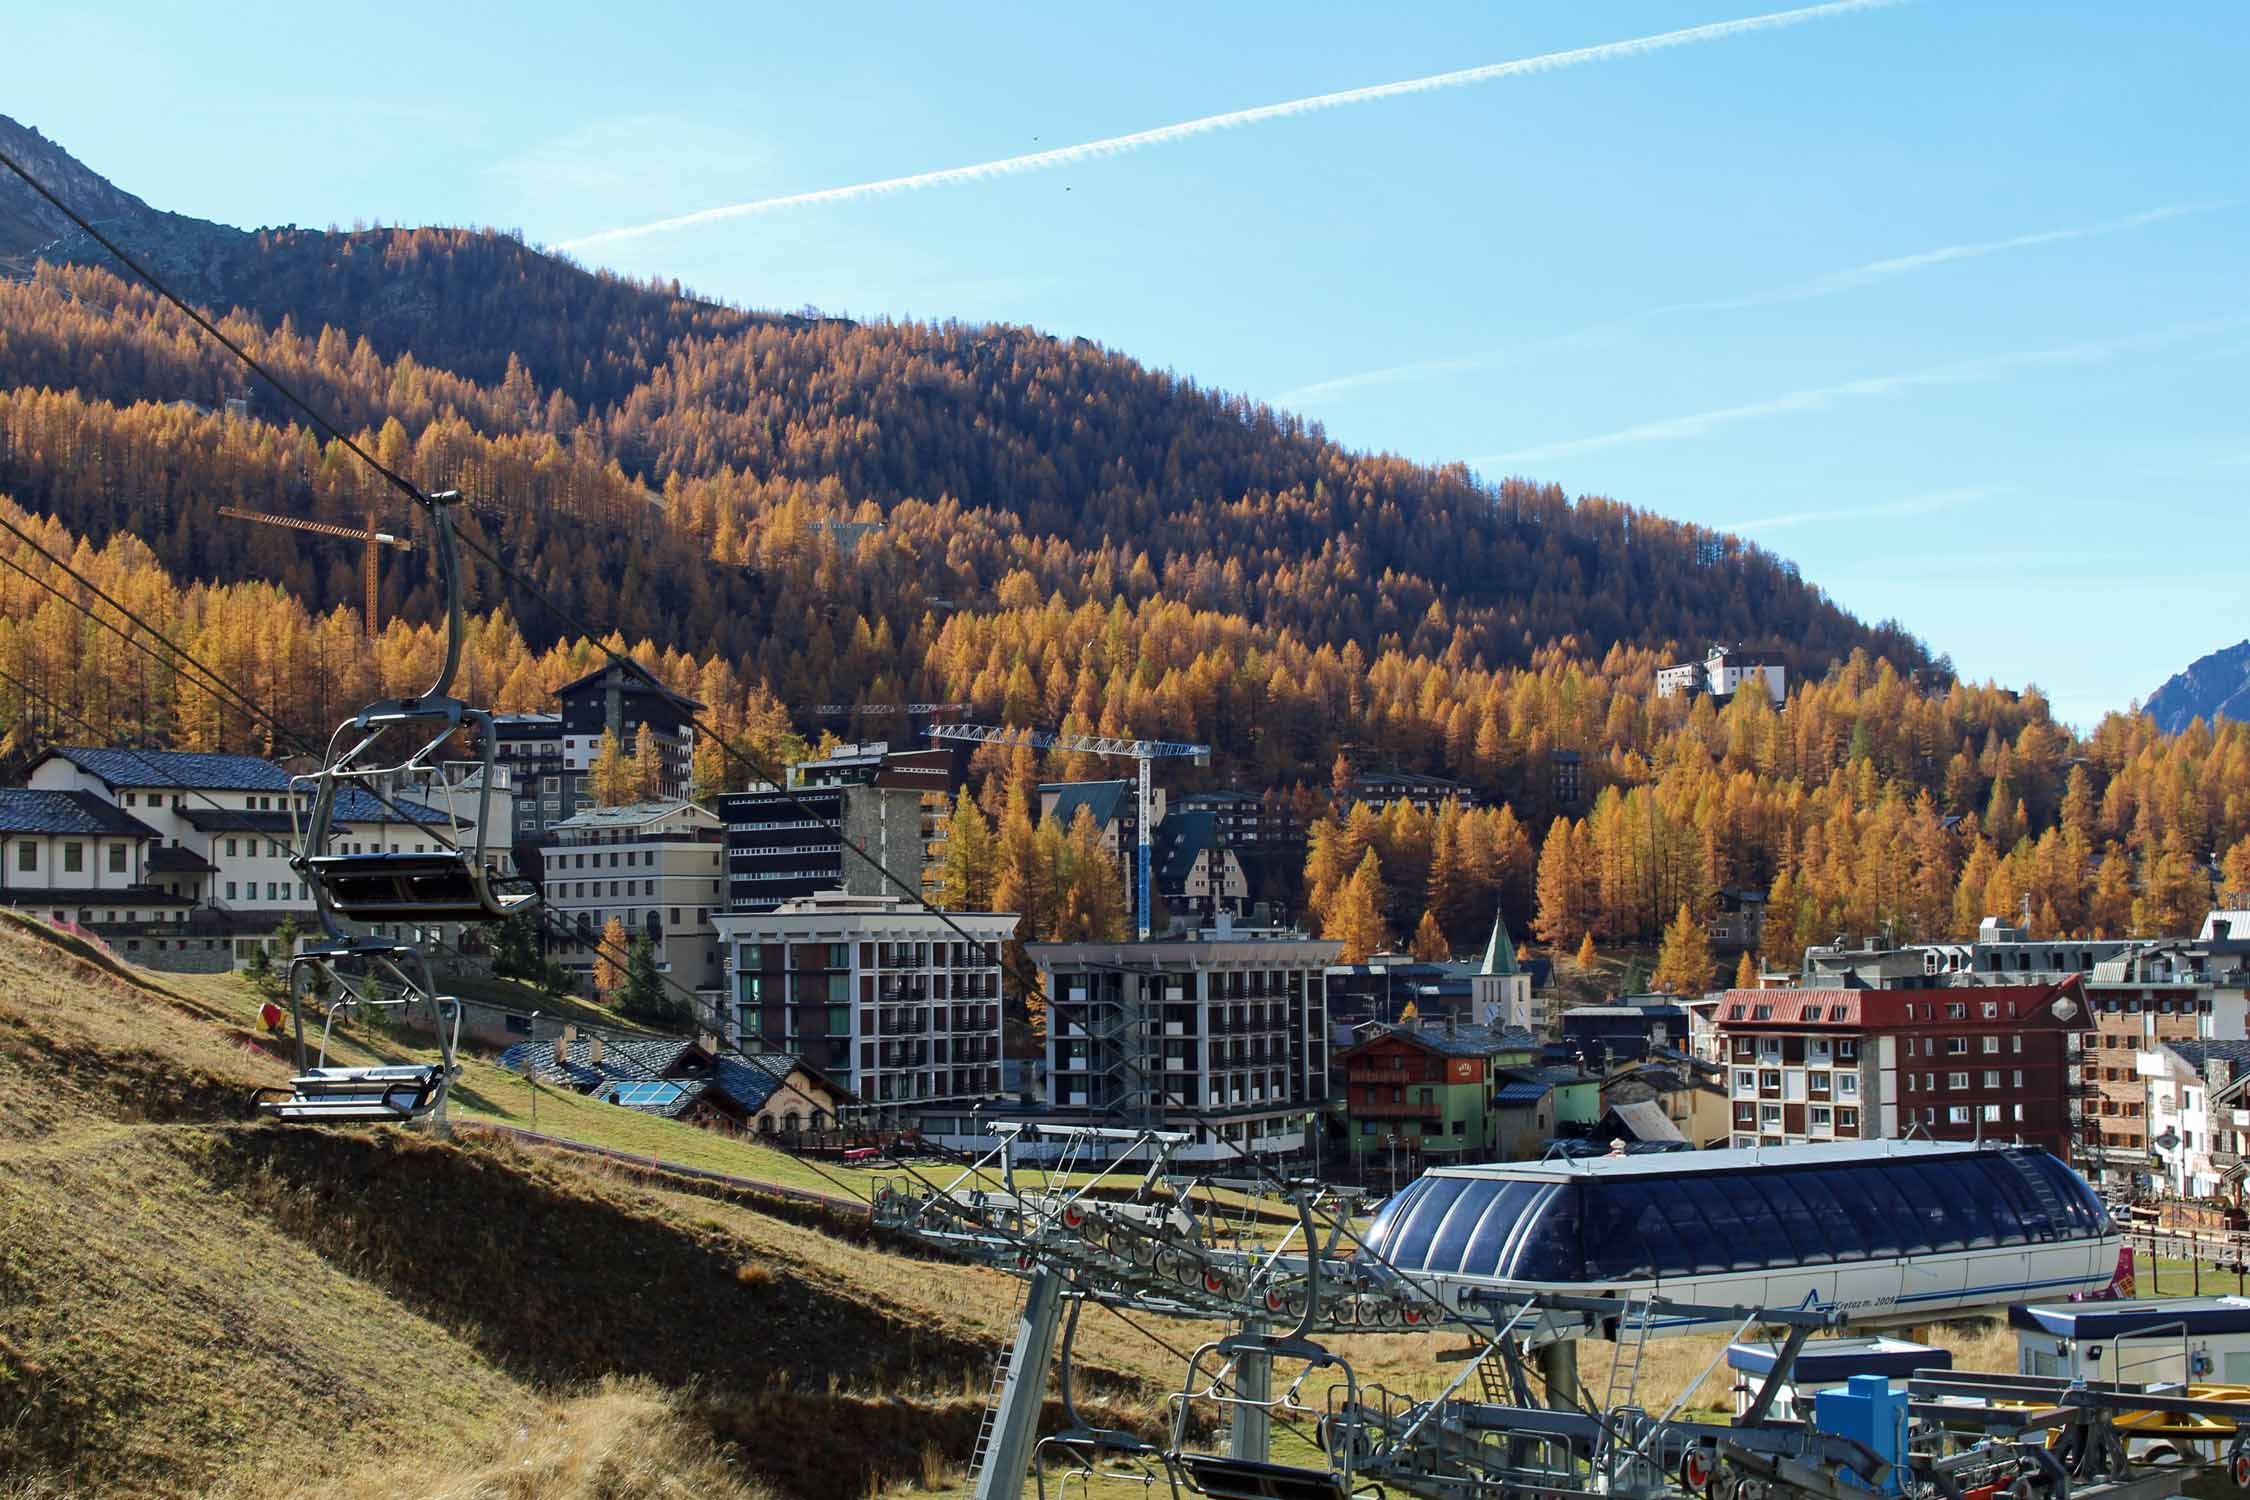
{"x": 73, "y": 857}
{"x": 1818, "y": 1117}
{"x": 1956, "y": 1081}
{"x": 1703, "y": 1223}
{"x": 276, "y": 890}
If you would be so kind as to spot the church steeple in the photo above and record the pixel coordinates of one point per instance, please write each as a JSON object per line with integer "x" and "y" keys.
{"x": 1499, "y": 952}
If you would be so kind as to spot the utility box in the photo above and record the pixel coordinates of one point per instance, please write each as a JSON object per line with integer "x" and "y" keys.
{"x": 2175, "y": 1339}
{"x": 1869, "y": 1412}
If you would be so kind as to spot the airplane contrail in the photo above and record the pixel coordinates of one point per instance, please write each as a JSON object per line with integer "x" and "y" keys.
{"x": 1118, "y": 145}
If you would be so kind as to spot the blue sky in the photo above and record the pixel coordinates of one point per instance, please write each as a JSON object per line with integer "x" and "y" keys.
{"x": 1945, "y": 302}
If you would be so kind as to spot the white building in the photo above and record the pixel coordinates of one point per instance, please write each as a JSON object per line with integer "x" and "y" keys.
{"x": 224, "y": 831}
{"x": 2196, "y": 1119}
{"x": 655, "y": 867}
{"x": 76, "y": 860}
{"x": 1725, "y": 670}
{"x": 880, "y": 994}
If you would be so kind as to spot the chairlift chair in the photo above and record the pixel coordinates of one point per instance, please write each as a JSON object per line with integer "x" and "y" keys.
{"x": 391, "y": 752}
{"x": 388, "y": 751}
{"x": 398, "y": 1092}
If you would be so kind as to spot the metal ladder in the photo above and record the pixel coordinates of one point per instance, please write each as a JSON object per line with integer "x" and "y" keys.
{"x": 1492, "y": 1380}
{"x": 1625, "y": 1359}
{"x": 990, "y": 1422}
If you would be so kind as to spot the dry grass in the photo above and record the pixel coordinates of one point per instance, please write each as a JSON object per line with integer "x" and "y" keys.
{"x": 627, "y": 1440}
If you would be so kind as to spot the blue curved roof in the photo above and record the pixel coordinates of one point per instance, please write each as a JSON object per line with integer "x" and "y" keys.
{"x": 1632, "y": 1218}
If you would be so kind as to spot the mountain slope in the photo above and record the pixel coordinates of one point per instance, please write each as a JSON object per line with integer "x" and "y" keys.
{"x": 1042, "y": 443}
{"x": 2213, "y": 687}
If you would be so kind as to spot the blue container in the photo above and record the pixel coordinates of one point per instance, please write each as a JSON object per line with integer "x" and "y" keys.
{"x": 1867, "y": 1411}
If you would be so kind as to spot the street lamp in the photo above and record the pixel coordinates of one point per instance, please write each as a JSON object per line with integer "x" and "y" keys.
{"x": 531, "y": 1069}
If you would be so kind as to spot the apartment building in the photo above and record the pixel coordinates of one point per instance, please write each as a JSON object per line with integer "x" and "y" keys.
{"x": 652, "y": 866}
{"x": 1996, "y": 1061}
{"x": 1250, "y": 824}
{"x": 2196, "y": 1119}
{"x": 891, "y": 806}
{"x": 1226, "y": 1039}
{"x": 880, "y": 994}
{"x": 1432, "y": 1094}
{"x": 2144, "y": 999}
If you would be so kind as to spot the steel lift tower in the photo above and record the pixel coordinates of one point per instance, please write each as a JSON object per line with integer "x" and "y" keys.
{"x": 1141, "y": 751}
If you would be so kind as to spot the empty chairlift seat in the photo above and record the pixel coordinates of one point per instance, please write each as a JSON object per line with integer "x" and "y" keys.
{"x": 438, "y": 885}
{"x": 358, "y": 1094}
{"x": 1223, "y": 1478}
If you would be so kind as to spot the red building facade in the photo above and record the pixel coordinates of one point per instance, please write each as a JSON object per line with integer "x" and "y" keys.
{"x": 1996, "y": 1062}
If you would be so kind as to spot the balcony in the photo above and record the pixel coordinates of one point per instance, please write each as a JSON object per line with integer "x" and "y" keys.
{"x": 1388, "y": 1110}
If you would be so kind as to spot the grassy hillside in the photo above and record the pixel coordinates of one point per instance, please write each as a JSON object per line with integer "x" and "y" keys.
{"x": 198, "y": 1303}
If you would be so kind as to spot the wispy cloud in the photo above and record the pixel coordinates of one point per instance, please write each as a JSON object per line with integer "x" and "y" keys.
{"x": 1922, "y": 260}
{"x": 1912, "y": 505}
{"x": 1163, "y": 135}
{"x": 1817, "y": 398}
{"x": 1820, "y": 286}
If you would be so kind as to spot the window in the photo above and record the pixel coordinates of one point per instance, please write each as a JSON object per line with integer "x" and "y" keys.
{"x": 1821, "y": 1117}
{"x": 27, "y": 855}
{"x": 1992, "y": 1078}
{"x": 1957, "y": 1010}
{"x": 1847, "y": 1050}
{"x": 117, "y": 853}
{"x": 1992, "y": 1044}
{"x": 1770, "y": 1115}
{"x": 73, "y": 857}
{"x": 1770, "y": 1078}
{"x": 230, "y": 890}
{"x": 2015, "y": 1044}
{"x": 2019, "y": 1078}
{"x": 1847, "y": 1085}
{"x": 1992, "y": 1114}
{"x": 1745, "y": 1081}
{"x": 1812, "y": 1013}
{"x": 1990, "y": 1010}
{"x": 1761, "y": 1013}
{"x": 1847, "y": 1119}
{"x": 230, "y": 848}
{"x": 1956, "y": 1080}
{"x": 1957, "y": 1115}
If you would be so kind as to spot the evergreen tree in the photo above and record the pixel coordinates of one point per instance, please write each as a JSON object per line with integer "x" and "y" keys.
{"x": 1429, "y": 944}
{"x": 1746, "y": 972}
{"x": 609, "y": 960}
{"x": 645, "y": 772}
{"x": 641, "y": 993}
{"x": 1561, "y": 888}
{"x": 1586, "y": 957}
{"x": 1355, "y": 917}
{"x": 970, "y": 864}
{"x": 1683, "y": 964}
{"x": 610, "y": 779}
{"x": 515, "y": 949}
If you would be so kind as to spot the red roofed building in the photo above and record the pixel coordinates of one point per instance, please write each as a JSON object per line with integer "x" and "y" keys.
{"x": 2001, "y": 1062}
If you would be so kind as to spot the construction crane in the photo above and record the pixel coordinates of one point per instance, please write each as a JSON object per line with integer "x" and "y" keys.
{"x": 831, "y": 710}
{"x": 1141, "y": 751}
{"x": 370, "y": 537}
